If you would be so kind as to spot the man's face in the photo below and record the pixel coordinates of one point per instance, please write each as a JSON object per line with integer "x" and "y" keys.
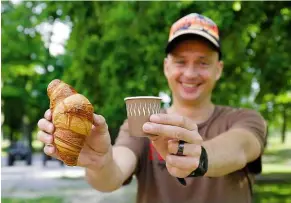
{"x": 192, "y": 69}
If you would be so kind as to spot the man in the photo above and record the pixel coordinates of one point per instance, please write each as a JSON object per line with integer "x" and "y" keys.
{"x": 202, "y": 152}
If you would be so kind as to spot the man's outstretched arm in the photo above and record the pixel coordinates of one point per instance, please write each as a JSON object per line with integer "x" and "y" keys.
{"x": 231, "y": 151}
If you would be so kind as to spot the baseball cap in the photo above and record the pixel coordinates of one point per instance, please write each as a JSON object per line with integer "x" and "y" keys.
{"x": 194, "y": 24}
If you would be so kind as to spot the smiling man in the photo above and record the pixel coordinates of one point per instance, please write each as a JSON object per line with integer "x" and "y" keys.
{"x": 203, "y": 153}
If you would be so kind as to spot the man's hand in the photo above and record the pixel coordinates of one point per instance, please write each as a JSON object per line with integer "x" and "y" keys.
{"x": 170, "y": 129}
{"x": 97, "y": 150}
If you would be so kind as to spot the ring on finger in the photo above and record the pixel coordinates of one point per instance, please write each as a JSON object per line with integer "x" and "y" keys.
{"x": 180, "y": 148}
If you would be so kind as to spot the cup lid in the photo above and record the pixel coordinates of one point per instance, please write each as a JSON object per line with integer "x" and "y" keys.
{"x": 142, "y": 97}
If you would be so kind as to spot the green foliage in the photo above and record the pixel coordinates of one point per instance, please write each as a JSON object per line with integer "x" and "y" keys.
{"x": 25, "y": 65}
{"x": 116, "y": 49}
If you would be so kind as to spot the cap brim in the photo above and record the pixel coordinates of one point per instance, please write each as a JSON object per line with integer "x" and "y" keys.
{"x": 187, "y": 34}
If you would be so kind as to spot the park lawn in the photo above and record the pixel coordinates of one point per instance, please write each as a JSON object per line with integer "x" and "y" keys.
{"x": 34, "y": 200}
{"x": 276, "y": 164}
{"x": 276, "y": 188}
{"x": 263, "y": 193}
{"x": 272, "y": 193}
{"x": 277, "y": 156}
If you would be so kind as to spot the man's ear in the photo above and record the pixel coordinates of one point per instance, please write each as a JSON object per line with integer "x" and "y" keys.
{"x": 220, "y": 66}
{"x": 166, "y": 71}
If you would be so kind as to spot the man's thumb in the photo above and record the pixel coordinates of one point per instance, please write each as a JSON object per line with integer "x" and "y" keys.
{"x": 99, "y": 123}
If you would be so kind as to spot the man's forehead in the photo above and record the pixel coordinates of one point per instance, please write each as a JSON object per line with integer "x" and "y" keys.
{"x": 193, "y": 41}
{"x": 193, "y": 46}
{"x": 198, "y": 55}
{"x": 190, "y": 46}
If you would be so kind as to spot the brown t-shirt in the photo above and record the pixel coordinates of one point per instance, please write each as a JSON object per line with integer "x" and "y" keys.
{"x": 156, "y": 185}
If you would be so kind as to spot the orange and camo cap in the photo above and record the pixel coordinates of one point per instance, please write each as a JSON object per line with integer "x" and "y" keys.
{"x": 194, "y": 24}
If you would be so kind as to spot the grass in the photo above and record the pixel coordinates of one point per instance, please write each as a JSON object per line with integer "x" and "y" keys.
{"x": 277, "y": 156}
{"x": 36, "y": 200}
{"x": 272, "y": 193}
{"x": 276, "y": 188}
{"x": 263, "y": 193}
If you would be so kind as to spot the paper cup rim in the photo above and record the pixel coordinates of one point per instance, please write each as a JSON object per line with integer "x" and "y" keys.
{"x": 142, "y": 97}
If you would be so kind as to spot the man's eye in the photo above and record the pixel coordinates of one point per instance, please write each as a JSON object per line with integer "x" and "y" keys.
{"x": 180, "y": 62}
{"x": 204, "y": 63}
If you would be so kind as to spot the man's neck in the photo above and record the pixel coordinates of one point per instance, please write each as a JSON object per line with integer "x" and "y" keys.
{"x": 199, "y": 113}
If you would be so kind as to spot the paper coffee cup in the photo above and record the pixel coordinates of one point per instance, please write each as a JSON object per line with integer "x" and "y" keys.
{"x": 139, "y": 109}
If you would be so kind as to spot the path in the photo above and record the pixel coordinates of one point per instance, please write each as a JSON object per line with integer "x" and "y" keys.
{"x": 21, "y": 181}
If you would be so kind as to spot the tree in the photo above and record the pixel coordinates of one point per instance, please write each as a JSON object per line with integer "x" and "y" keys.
{"x": 27, "y": 67}
{"x": 116, "y": 49}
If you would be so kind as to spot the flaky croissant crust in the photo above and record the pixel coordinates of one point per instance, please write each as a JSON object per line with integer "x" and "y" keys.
{"x": 72, "y": 115}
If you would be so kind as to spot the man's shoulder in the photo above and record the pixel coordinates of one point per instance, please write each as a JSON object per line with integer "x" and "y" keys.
{"x": 232, "y": 111}
{"x": 234, "y": 114}
{"x": 226, "y": 111}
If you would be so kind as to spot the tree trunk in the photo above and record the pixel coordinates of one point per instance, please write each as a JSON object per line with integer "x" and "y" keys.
{"x": 284, "y": 126}
{"x": 267, "y": 135}
{"x": 27, "y": 133}
{"x": 11, "y": 138}
{"x": 30, "y": 136}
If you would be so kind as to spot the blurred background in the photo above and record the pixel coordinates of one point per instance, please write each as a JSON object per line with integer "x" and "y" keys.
{"x": 111, "y": 50}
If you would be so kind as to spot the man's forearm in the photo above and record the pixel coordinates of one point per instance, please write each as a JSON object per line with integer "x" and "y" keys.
{"x": 111, "y": 176}
{"x": 107, "y": 179}
{"x": 230, "y": 151}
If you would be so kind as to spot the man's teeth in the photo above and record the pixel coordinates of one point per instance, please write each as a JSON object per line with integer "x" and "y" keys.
{"x": 189, "y": 85}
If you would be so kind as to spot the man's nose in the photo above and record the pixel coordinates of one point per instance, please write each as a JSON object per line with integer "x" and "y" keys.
{"x": 191, "y": 72}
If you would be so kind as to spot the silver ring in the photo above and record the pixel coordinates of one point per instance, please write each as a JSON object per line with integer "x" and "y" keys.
{"x": 180, "y": 148}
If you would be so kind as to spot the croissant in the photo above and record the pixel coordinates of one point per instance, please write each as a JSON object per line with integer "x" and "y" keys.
{"x": 72, "y": 116}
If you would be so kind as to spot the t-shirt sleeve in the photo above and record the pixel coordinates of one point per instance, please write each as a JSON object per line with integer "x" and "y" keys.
{"x": 135, "y": 144}
{"x": 252, "y": 121}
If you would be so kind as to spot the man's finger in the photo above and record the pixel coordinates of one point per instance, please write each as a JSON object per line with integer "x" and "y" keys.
{"x": 193, "y": 150}
{"x": 175, "y": 120}
{"x": 98, "y": 120}
{"x": 177, "y": 172}
{"x": 51, "y": 150}
{"x": 48, "y": 115}
{"x": 99, "y": 139}
{"x": 45, "y": 137}
{"x": 172, "y": 132}
{"x": 183, "y": 162}
{"x": 46, "y": 126}
{"x": 99, "y": 124}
